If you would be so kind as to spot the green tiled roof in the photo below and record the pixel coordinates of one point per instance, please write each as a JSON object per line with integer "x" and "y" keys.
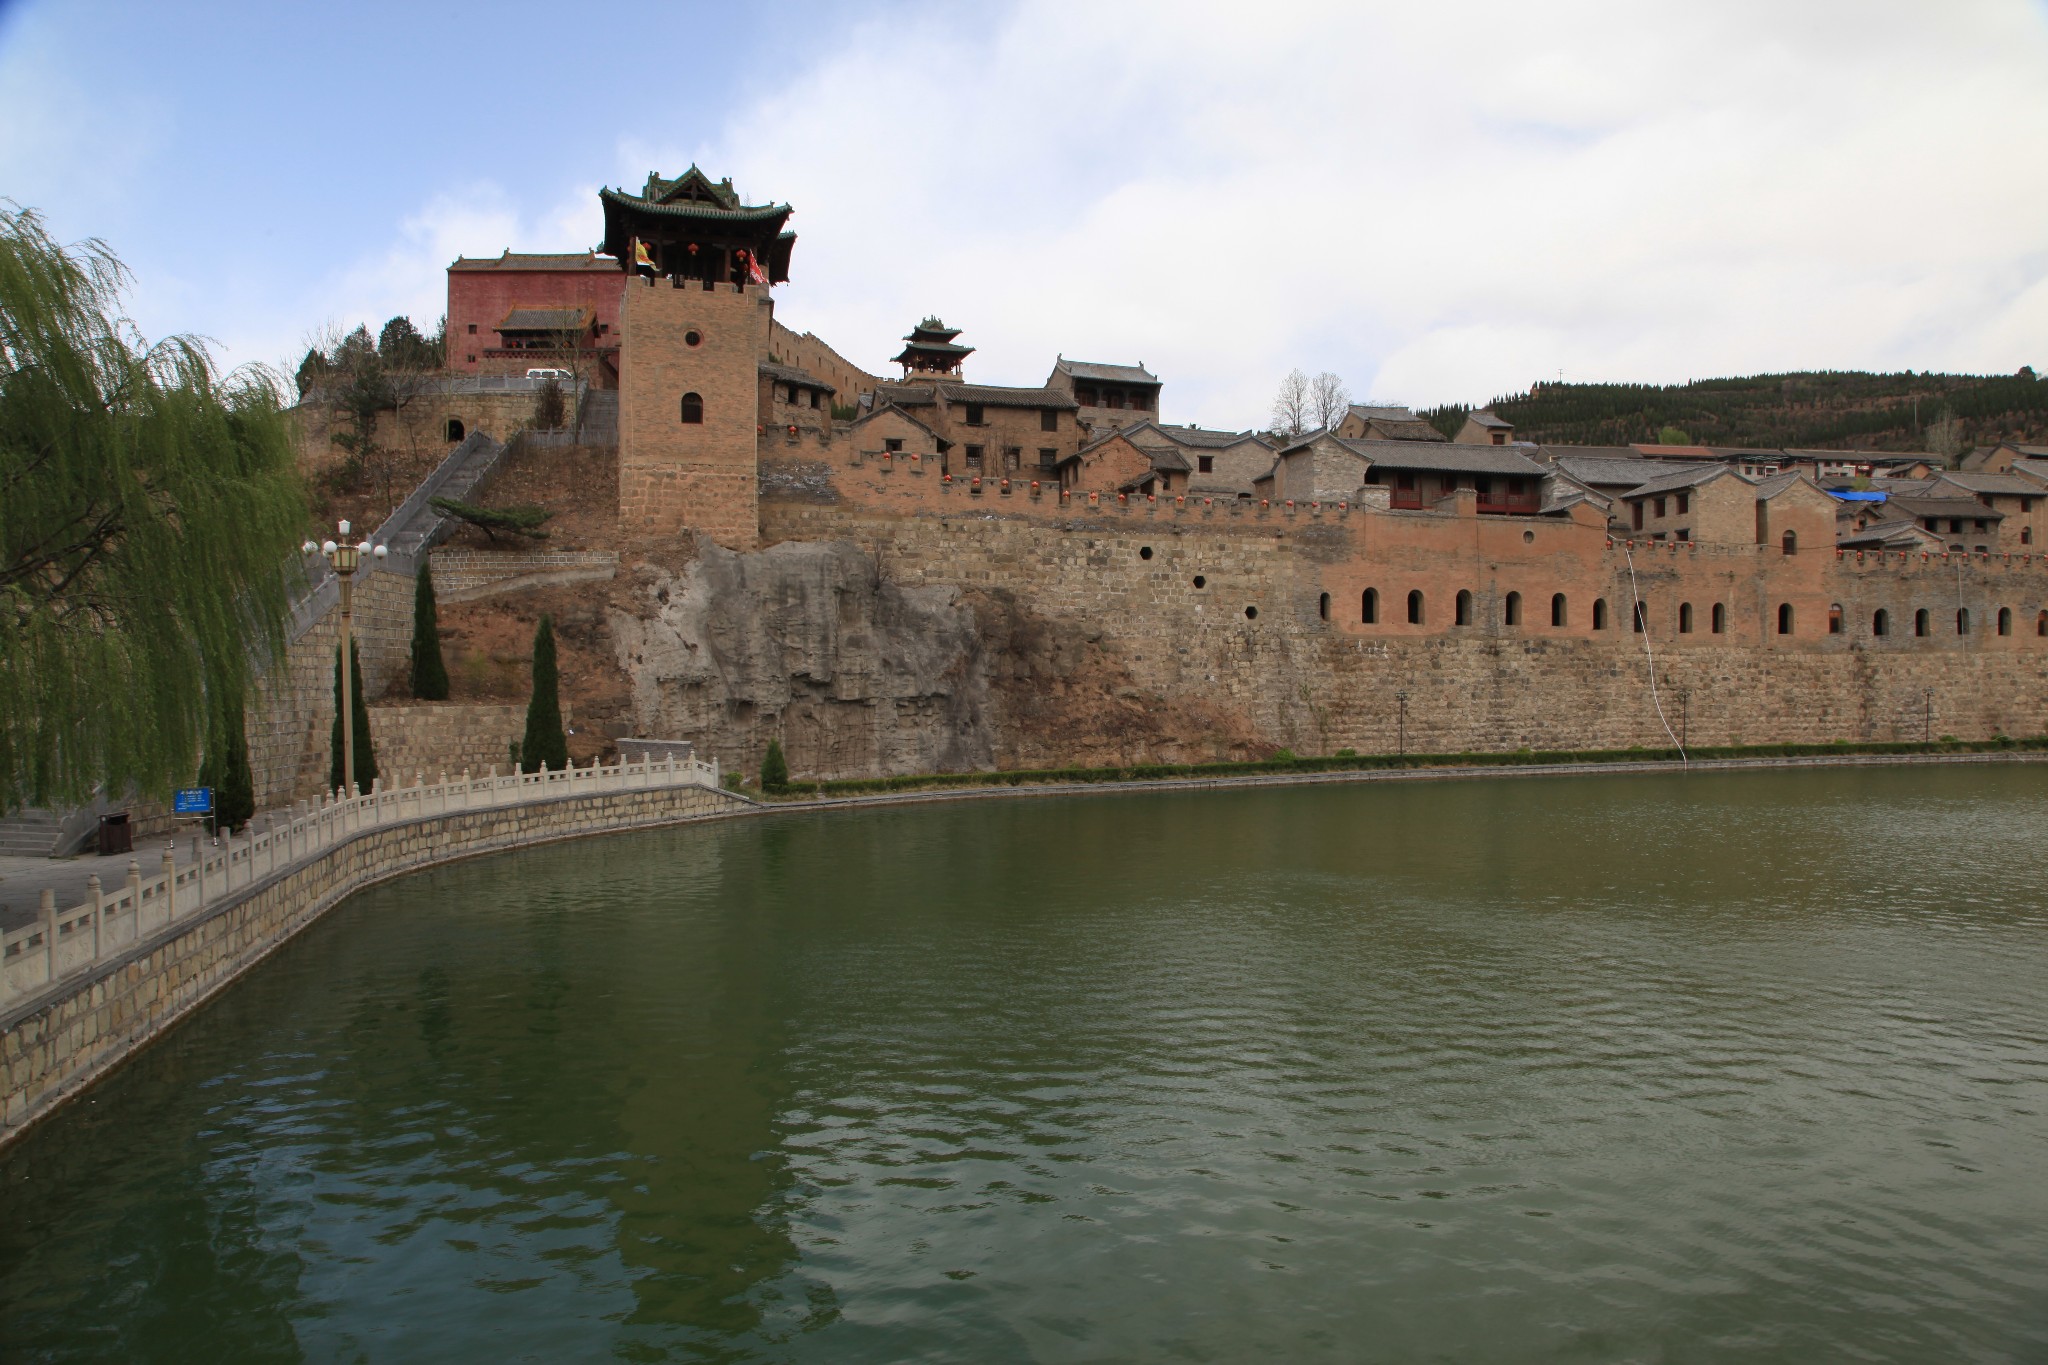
{"x": 702, "y": 212}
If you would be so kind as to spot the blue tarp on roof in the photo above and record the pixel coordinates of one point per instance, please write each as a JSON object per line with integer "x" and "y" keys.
{"x": 1847, "y": 496}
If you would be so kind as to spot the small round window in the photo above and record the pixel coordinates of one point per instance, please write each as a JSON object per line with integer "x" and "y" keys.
{"x": 693, "y": 337}
{"x": 1200, "y": 582}
{"x": 1144, "y": 552}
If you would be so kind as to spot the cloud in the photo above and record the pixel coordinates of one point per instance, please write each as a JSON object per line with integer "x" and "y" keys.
{"x": 1441, "y": 202}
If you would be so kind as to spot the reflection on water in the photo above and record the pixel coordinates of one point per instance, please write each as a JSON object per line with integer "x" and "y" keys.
{"x": 1613, "y": 1068}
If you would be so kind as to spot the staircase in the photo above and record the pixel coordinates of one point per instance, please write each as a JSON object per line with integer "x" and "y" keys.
{"x": 31, "y": 834}
{"x": 599, "y": 424}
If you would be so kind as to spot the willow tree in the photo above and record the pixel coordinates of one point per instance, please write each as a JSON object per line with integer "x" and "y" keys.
{"x": 149, "y": 507}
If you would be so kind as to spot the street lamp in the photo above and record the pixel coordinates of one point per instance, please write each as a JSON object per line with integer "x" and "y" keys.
{"x": 346, "y": 559}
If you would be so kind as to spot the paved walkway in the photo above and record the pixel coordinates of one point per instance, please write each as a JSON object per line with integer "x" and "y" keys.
{"x": 22, "y": 879}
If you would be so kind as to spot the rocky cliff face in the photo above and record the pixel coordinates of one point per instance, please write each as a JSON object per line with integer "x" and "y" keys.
{"x": 859, "y": 676}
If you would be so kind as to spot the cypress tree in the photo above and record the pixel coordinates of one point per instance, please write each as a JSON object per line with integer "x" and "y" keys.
{"x": 234, "y": 791}
{"x": 774, "y": 768}
{"x": 359, "y": 709}
{"x": 429, "y": 673}
{"x": 545, "y": 741}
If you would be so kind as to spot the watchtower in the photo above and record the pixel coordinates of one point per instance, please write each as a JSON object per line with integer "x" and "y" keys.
{"x": 693, "y": 331}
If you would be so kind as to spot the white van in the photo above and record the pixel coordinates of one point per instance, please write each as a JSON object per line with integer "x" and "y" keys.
{"x": 548, "y": 374}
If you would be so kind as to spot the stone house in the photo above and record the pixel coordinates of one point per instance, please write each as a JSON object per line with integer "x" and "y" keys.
{"x": 894, "y": 431}
{"x": 1369, "y": 422}
{"x": 991, "y": 430}
{"x": 1417, "y": 475}
{"x": 791, "y": 397}
{"x": 2018, "y": 499}
{"x": 1220, "y": 464}
{"x": 1107, "y": 396}
{"x": 1484, "y": 428}
{"x": 1705, "y": 502}
{"x": 1113, "y": 463}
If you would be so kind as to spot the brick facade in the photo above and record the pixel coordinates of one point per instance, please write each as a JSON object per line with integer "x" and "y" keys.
{"x": 697, "y": 476}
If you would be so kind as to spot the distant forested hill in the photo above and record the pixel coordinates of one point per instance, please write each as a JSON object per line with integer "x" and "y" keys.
{"x": 1835, "y": 409}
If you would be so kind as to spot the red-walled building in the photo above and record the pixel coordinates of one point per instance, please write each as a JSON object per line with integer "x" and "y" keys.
{"x": 575, "y": 295}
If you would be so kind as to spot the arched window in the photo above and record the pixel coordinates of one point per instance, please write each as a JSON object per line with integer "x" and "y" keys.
{"x": 1641, "y": 616}
{"x": 1962, "y": 620}
{"x": 1790, "y": 542}
{"x": 1557, "y": 609}
{"x": 1464, "y": 608}
{"x": 1835, "y": 619}
{"x": 2005, "y": 620}
{"x": 454, "y": 432}
{"x": 1784, "y": 618}
{"x": 1685, "y": 618}
{"x": 1512, "y": 610}
{"x": 1599, "y": 613}
{"x": 1369, "y": 607}
{"x": 1920, "y": 622}
{"x": 1720, "y": 615}
{"x": 693, "y": 409}
{"x": 2026, "y": 538}
{"x": 1415, "y": 608}
{"x": 1880, "y": 622}
{"x": 1323, "y": 606}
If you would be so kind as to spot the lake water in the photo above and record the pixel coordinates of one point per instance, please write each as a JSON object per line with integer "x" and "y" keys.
{"x": 1606, "y": 1069}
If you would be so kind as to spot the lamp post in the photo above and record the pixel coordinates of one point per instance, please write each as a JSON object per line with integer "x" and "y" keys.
{"x": 346, "y": 559}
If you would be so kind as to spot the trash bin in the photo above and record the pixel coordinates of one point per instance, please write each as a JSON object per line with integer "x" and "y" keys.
{"x": 116, "y": 835}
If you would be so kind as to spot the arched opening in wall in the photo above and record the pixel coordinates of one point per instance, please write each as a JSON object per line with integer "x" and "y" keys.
{"x": 2026, "y": 538}
{"x": 1880, "y": 622}
{"x": 1720, "y": 618}
{"x": 1835, "y": 619}
{"x": 2005, "y": 620}
{"x": 1323, "y": 606}
{"x": 1790, "y": 542}
{"x": 2040, "y": 626}
{"x": 1415, "y": 608}
{"x": 1511, "y": 610}
{"x": 1557, "y": 609}
{"x": 1463, "y": 606}
{"x": 1642, "y": 616}
{"x": 1599, "y": 613}
{"x": 1920, "y": 622}
{"x": 1685, "y": 618}
{"x": 454, "y": 431}
{"x": 1369, "y": 607}
{"x": 693, "y": 409}
{"x": 1784, "y": 618}
{"x": 1962, "y": 620}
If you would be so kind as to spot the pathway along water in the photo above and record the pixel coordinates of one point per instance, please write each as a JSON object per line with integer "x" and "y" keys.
{"x": 1610, "y": 1068}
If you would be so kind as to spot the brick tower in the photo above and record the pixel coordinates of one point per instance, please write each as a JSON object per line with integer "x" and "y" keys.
{"x": 693, "y": 331}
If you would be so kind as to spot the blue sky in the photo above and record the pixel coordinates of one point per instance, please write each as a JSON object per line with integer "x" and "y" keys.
{"x": 1439, "y": 202}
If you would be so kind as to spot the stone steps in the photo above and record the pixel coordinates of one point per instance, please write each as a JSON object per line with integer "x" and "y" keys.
{"x": 30, "y": 834}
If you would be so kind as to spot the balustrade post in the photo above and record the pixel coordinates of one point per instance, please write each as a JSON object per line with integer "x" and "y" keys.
{"x": 135, "y": 896}
{"x": 170, "y": 880}
{"x": 48, "y": 913}
{"x": 198, "y": 874}
{"x": 98, "y": 897}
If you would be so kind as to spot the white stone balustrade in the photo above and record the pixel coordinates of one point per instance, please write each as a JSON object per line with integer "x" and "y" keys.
{"x": 61, "y": 944}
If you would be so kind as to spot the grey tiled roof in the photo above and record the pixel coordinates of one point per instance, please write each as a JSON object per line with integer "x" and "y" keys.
{"x": 2032, "y": 468}
{"x": 1777, "y": 483}
{"x": 997, "y": 396}
{"x": 1690, "y": 476}
{"x": 1198, "y": 438}
{"x": 1444, "y": 458}
{"x": 902, "y": 395}
{"x": 1408, "y": 429}
{"x": 787, "y": 374}
{"x": 1965, "y": 508}
{"x": 544, "y": 320}
{"x": 1368, "y": 412}
{"x": 571, "y": 260}
{"x": 1991, "y": 483}
{"x": 1116, "y": 374}
{"x": 1612, "y": 471}
{"x": 1485, "y": 417}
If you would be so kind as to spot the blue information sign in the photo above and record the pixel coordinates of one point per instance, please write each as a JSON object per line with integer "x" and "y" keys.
{"x": 193, "y": 801}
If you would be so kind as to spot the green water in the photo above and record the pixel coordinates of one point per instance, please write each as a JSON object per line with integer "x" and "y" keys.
{"x": 1609, "y": 1069}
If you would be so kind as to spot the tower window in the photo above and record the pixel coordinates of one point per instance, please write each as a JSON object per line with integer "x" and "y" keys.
{"x": 1785, "y": 615}
{"x": 1720, "y": 615}
{"x": 1464, "y": 607}
{"x": 693, "y": 337}
{"x": 1599, "y": 613}
{"x": 1512, "y": 611}
{"x": 1920, "y": 622}
{"x": 1789, "y": 543}
{"x": 1962, "y": 621}
{"x": 1557, "y": 609}
{"x": 1369, "y": 607}
{"x": 1685, "y": 618}
{"x": 1323, "y": 606}
{"x": 1415, "y": 608}
{"x": 1835, "y": 619}
{"x": 1880, "y": 622}
{"x": 2005, "y": 620}
{"x": 472, "y": 332}
{"x": 693, "y": 409}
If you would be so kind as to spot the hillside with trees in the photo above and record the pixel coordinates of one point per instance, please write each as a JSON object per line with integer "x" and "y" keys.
{"x": 1826, "y": 409}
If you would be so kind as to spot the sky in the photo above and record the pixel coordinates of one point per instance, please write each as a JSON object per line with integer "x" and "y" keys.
{"x": 1440, "y": 202}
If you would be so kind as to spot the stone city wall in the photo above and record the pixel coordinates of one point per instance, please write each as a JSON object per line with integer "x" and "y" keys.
{"x": 1261, "y": 615}
{"x": 52, "y": 1048}
{"x": 432, "y": 740}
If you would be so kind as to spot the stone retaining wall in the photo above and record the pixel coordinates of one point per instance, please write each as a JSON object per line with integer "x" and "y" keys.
{"x": 51, "y": 1049}
{"x": 444, "y": 739}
